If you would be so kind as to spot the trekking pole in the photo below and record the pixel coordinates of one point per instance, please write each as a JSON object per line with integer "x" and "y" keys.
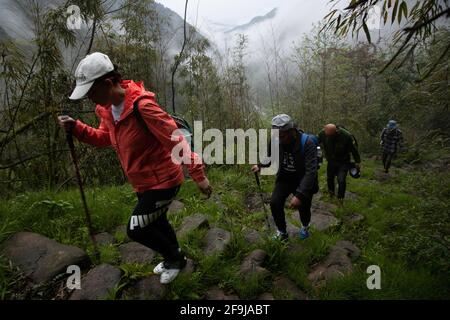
{"x": 69, "y": 139}
{"x": 262, "y": 200}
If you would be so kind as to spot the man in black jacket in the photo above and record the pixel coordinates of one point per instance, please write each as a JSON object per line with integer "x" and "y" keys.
{"x": 338, "y": 144}
{"x": 297, "y": 175}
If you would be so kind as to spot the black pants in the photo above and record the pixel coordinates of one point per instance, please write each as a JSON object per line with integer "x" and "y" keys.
{"x": 387, "y": 160}
{"x": 282, "y": 190}
{"x": 149, "y": 225}
{"x": 340, "y": 171}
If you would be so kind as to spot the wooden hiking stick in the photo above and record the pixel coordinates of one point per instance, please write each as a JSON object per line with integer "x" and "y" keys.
{"x": 262, "y": 200}
{"x": 69, "y": 139}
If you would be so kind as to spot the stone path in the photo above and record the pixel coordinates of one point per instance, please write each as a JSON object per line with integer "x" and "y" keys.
{"x": 42, "y": 259}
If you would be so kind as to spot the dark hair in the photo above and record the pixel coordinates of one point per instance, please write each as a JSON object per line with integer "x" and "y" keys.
{"x": 114, "y": 75}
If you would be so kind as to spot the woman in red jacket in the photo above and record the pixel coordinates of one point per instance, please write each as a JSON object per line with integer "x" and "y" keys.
{"x": 145, "y": 155}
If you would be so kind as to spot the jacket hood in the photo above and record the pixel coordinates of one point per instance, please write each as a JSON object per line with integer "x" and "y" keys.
{"x": 133, "y": 91}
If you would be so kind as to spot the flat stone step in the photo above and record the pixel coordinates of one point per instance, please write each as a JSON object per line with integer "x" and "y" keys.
{"x": 323, "y": 220}
{"x": 98, "y": 283}
{"x": 191, "y": 223}
{"x": 251, "y": 236}
{"x": 252, "y": 264}
{"x": 41, "y": 258}
{"x": 104, "y": 239}
{"x": 149, "y": 288}
{"x": 266, "y": 296}
{"x": 253, "y": 202}
{"x": 134, "y": 252}
{"x": 337, "y": 264}
{"x": 175, "y": 207}
{"x": 215, "y": 241}
{"x": 323, "y": 206}
{"x": 285, "y": 289}
{"x": 215, "y": 293}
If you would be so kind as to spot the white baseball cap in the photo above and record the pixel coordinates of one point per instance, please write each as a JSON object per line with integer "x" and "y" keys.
{"x": 90, "y": 69}
{"x": 282, "y": 122}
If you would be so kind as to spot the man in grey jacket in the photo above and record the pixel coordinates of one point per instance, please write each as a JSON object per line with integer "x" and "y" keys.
{"x": 297, "y": 175}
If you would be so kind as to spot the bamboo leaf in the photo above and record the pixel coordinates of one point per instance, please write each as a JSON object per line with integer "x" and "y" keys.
{"x": 338, "y": 23}
{"x": 394, "y": 11}
{"x": 366, "y": 31}
{"x": 330, "y": 15}
{"x": 404, "y": 10}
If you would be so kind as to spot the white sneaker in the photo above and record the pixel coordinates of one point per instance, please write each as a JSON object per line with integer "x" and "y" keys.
{"x": 159, "y": 269}
{"x": 280, "y": 236}
{"x": 169, "y": 275}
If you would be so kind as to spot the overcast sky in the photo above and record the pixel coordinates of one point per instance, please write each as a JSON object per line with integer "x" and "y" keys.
{"x": 234, "y": 12}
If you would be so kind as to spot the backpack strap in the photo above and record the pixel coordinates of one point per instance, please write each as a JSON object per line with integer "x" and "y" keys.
{"x": 304, "y": 138}
{"x": 138, "y": 115}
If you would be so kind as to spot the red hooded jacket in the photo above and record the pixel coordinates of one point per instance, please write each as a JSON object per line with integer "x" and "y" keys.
{"x": 145, "y": 158}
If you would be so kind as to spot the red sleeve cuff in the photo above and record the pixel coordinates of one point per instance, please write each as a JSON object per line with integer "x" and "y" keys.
{"x": 198, "y": 175}
{"x": 78, "y": 128}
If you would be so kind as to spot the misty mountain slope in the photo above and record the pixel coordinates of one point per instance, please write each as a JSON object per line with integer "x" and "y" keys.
{"x": 285, "y": 23}
{"x": 254, "y": 21}
{"x": 16, "y": 22}
{"x": 271, "y": 37}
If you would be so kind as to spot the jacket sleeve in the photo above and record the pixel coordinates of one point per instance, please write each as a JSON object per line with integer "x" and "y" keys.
{"x": 308, "y": 181}
{"x": 162, "y": 126}
{"x": 354, "y": 150}
{"x": 383, "y": 136}
{"x": 97, "y": 137}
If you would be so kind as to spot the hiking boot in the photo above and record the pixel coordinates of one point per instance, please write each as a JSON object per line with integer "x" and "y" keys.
{"x": 282, "y": 236}
{"x": 304, "y": 233}
{"x": 171, "y": 271}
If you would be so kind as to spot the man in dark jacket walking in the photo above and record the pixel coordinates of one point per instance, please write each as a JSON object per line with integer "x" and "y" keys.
{"x": 391, "y": 142}
{"x": 338, "y": 144}
{"x": 297, "y": 175}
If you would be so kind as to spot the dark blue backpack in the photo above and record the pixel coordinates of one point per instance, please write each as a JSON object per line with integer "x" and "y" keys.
{"x": 304, "y": 138}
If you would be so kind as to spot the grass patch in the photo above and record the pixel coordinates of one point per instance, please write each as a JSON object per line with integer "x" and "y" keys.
{"x": 405, "y": 231}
